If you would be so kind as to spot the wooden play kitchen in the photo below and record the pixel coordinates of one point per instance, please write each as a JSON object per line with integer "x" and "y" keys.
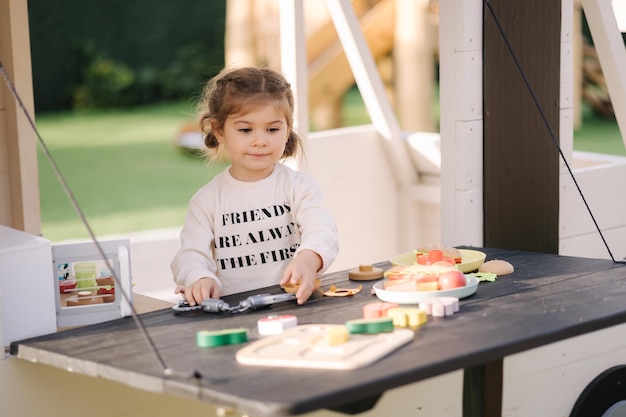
{"x": 547, "y": 299}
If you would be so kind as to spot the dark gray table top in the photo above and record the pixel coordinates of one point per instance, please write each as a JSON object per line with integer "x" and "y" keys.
{"x": 548, "y": 298}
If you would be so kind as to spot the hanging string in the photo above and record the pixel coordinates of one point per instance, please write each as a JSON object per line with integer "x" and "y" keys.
{"x": 547, "y": 123}
{"x": 79, "y": 211}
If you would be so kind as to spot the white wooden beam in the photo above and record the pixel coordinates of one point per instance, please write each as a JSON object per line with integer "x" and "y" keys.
{"x": 294, "y": 66}
{"x": 461, "y": 118}
{"x": 293, "y": 57}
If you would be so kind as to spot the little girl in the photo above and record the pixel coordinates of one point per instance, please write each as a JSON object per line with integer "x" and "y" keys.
{"x": 258, "y": 223}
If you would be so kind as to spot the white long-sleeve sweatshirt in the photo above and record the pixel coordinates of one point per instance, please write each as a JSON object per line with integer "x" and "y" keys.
{"x": 244, "y": 234}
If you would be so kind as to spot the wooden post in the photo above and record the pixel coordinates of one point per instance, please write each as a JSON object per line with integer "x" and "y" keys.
{"x": 252, "y": 33}
{"x": 19, "y": 180}
{"x": 414, "y": 55}
{"x": 239, "y": 36}
{"x": 521, "y": 161}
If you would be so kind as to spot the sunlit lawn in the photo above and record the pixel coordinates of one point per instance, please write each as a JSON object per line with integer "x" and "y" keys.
{"x": 598, "y": 134}
{"x": 121, "y": 166}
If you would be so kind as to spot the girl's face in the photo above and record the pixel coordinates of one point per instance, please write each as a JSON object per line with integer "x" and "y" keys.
{"x": 255, "y": 141}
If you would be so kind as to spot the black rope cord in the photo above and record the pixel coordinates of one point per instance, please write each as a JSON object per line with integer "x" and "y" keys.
{"x": 142, "y": 328}
{"x": 547, "y": 124}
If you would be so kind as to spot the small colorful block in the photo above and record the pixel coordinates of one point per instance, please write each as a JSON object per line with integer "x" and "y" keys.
{"x": 407, "y": 316}
{"x": 205, "y": 338}
{"x": 377, "y": 309}
{"x": 370, "y": 326}
{"x": 440, "y": 306}
{"x": 271, "y": 325}
{"x": 336, "y": 334}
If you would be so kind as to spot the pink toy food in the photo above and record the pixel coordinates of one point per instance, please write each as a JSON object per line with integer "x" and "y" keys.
{"x": 440, "y": 306}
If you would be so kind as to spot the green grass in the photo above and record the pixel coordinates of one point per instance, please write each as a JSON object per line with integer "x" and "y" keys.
{"x": 122, "y": 167}
{"x": 127, "y": 175}
{"x": 598, "y": 134}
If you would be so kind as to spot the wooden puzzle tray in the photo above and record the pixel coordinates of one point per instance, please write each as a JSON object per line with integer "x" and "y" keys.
{"x": 304, "y": 347}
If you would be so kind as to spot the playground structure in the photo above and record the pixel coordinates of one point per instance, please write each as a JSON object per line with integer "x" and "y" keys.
{"x": 401, "y": 36}
{"x": 402, "y": 39}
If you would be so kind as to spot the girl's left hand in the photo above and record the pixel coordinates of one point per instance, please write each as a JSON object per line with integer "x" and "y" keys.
{"x": 302, "y": 271}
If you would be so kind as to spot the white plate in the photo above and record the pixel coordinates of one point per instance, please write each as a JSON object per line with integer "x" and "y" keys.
{"x": 414, "y": 297}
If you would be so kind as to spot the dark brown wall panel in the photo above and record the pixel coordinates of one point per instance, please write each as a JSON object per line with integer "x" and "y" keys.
{"x": 521, "y": 160}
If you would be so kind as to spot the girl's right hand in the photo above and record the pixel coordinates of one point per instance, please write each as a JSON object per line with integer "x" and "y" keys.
{"x": 201, "y": 289}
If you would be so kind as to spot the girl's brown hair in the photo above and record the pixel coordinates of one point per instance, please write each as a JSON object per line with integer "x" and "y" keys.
{"x": 239, "y": 90}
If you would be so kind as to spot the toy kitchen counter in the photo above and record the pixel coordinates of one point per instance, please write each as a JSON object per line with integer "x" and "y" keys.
{"x": 546, "y": 301}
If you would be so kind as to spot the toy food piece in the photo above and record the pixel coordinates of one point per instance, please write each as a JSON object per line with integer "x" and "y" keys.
{"x": 412, "y": 284}
{"x": 335, "y": 334}
{"x": 66, "y": 285}
{"x": 276, "y": 324}
{"x": 293, "y": 288}
{"x": 106, "y": 292}
{"x": 370, "y": 326}
{"x": 432, "y": 257}
{"x": 405, "y": 284}
{"x": 205, "y": 338}
{"x": 424, "y": 277}
{"x": 427, "y": 286}
{"x": 407, "y": 317}
{"x": 447, "y": 251}
{"x": 452, "y": 279}
{"x": 440, "y": 306}
{"x": 341, "y": 292}
{"x": 497, "y": 266}
{"x": 365, "y": 272}
{"x": 377, "y": 309}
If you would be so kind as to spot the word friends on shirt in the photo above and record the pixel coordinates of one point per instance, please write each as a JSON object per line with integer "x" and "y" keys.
{"x": 255, "y": 214}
